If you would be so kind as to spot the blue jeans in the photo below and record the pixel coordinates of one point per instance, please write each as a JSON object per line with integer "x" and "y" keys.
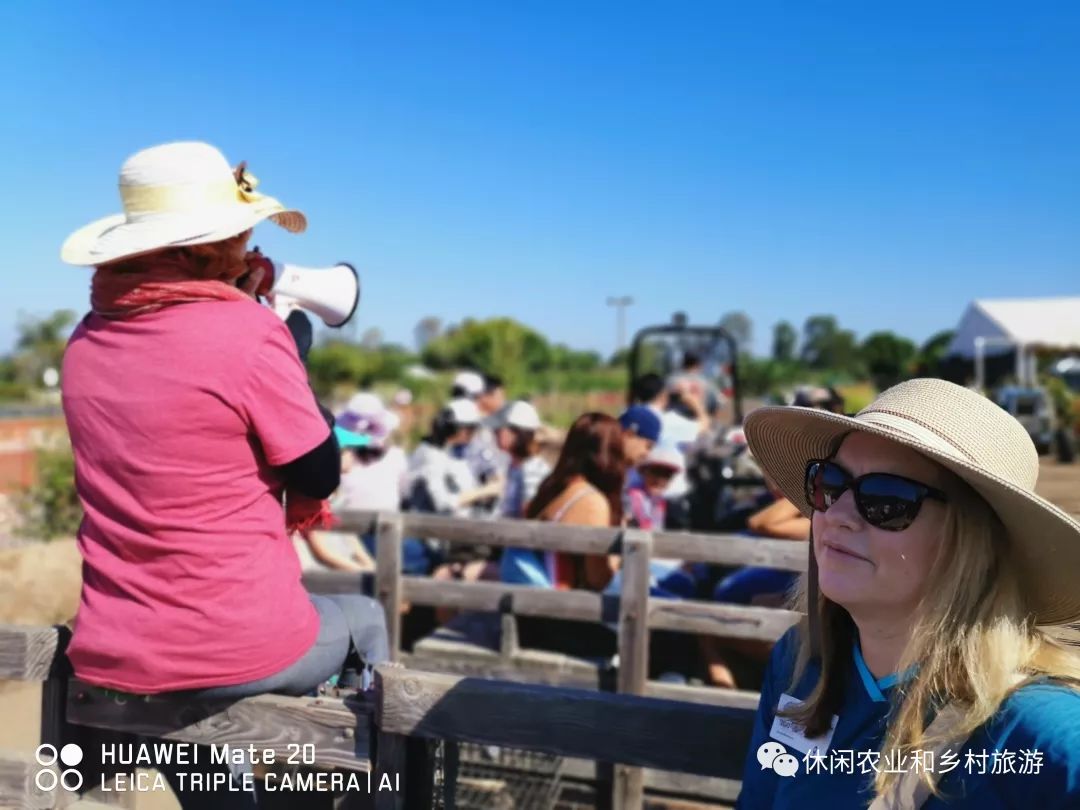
{"x": 746, "y": 583}
{"x": 344, "y": 620}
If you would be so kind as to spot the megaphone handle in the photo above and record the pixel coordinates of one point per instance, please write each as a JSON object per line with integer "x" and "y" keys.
{"x": 302, "y": 333}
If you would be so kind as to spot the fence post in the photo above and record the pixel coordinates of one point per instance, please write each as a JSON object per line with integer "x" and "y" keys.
{"x": 629, "y": 789}
{"x": 388, "y": 543}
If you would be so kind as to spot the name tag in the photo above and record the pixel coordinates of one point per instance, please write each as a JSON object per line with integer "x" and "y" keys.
{"x": 789, "y": 732}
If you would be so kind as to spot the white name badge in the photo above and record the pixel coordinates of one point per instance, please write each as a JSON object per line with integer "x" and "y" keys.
{"x": 789, "y": 732}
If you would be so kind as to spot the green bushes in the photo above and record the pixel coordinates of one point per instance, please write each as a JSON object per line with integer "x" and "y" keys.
{"x": 51, "y": 507}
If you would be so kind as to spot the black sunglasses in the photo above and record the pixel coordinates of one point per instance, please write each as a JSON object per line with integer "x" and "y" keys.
{"x": 886, "y": 501}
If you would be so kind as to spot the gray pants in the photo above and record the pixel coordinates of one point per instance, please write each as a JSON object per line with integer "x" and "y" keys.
{"x": 344, "y": 620}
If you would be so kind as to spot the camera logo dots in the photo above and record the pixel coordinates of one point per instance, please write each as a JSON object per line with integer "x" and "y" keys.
{"x": 69, "y": 756}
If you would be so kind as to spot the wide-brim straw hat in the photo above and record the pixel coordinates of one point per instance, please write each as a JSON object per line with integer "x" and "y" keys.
{"x": 174, "y": 195}
{"x": 968, "y": 435}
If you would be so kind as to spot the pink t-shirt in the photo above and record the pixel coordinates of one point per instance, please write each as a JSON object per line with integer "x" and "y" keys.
{"x": 176, "y": 419}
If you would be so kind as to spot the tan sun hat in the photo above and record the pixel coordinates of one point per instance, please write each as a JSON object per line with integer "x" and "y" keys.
{"x": 173, "y": 195}
{"x": 968, "y": 435}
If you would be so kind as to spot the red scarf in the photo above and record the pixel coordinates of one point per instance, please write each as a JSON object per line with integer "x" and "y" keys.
{"x": 118, "y": 295}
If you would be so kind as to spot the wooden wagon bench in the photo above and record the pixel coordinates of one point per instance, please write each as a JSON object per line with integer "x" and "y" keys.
{"x": 668, "y": 738}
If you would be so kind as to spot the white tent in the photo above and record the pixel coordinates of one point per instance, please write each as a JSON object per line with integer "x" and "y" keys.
{"x": 1017, "y": 325}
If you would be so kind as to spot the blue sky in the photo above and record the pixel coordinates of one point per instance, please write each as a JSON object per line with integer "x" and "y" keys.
{"x": 885, "y": 163}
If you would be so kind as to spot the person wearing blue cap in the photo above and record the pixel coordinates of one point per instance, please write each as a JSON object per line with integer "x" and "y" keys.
{"x": 641, "y": 431}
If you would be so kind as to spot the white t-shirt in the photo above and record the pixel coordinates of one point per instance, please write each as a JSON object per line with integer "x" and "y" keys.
{"x": 436, "y": 480}
{"x": 376, "y": 486}
{"x": 676, "y": 431}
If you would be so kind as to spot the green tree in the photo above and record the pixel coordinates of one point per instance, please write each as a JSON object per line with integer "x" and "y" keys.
{"x": 497, "y": 346}
{"x": 52, "y": 505}
{"x": 826, "y": 346}
{"x": 784, "y": 340}
{"x": 887, "y": 357}
{"x": 40, "y": 345}
{"x": 339, "y": 363}
{"x": 931, "y": 354}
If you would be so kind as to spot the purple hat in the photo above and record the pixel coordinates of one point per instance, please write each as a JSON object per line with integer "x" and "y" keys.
{"x": 642, "y": 421}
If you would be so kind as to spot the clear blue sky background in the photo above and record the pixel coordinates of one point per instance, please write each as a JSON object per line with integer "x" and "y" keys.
{"x": 883, "y": 162}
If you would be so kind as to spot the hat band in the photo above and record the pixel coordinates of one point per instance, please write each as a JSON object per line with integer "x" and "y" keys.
{"x": 920, "y": 433}
{"x": 181, "y": 198}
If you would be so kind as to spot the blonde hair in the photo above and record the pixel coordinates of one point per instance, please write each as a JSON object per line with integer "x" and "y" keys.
{"x": 973, "y": 641}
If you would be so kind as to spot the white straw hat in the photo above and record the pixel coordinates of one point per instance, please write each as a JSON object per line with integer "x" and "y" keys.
{"x": 173, "y": 195}
{"x": 968, "y": 435}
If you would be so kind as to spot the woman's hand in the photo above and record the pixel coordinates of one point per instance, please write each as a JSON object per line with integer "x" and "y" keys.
{"x": 251, "y": 281}
{"x": 260, "y": 271}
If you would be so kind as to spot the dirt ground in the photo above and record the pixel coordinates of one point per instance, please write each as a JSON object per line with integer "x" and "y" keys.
{"x": 40, "y": 585}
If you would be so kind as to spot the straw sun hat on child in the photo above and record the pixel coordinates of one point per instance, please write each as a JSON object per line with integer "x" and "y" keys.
{"x": 968, "y": 435}
{"x": 174, "y": 195}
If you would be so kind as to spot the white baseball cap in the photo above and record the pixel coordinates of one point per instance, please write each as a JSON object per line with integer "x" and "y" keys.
{"x": 469, "y": 383}
{"x": 522, "y": 415}
{"x": 664, "y": 456}
{"x": 464, "y": 412}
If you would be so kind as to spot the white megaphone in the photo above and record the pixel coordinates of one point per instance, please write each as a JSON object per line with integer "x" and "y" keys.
{"x": 331, "y": 293}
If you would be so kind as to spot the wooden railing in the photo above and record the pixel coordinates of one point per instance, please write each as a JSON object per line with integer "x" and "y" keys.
{"x": 649, "y": 731}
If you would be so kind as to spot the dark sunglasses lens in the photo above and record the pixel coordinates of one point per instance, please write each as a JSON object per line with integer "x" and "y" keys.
{"x": 889, "y": 502}
{"x": 825, "y": 483}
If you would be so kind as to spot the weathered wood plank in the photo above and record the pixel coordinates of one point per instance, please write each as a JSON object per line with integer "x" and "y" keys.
{"x": 388, "y": 577}
{"x": 709, "y": 695}
{"x": 629, "y": 788}
{"x": 529, "y": 666}
{"x": 520, "y": 533}
{"x": 17, "y": 784}
{"x": 338, "y": 728}
{"x": 723, "y": 549}
{"x": 30, "y": 653}
{"x": 521, "y": 600}
{"x": 714, "y": 619}
{"x": 701, "y": 739}
{"x": 730, "y": 549}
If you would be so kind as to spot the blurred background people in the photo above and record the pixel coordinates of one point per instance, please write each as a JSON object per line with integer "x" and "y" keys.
{"x": 640, "y": 431}
{"x": 438, "y": 480}
{"x": 584, "y": 489}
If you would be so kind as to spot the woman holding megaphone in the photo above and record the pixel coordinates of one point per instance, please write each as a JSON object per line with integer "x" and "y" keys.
{"x": 190, "y": 416}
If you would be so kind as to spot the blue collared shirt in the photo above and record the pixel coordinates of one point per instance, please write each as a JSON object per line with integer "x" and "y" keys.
{"x": 1040, "y": 724}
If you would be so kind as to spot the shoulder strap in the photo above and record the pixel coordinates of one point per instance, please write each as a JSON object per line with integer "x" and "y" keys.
{"x": 910, "y": 791}
{"x": 577, "y": 496}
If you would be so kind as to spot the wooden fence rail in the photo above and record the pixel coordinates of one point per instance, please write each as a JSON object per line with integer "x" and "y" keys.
{"x": 648, "y": 730}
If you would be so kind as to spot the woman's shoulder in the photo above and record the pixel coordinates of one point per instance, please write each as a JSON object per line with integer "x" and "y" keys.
{"x": 580, "y": 503}
{"x": 1045, "y": 712}
{"x": 1031, "y": 748}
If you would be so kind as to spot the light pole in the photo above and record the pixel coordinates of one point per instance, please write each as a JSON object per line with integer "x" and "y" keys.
{"x": 620, "y": 302}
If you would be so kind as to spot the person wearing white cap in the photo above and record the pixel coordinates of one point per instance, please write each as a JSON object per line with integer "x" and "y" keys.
{"x": 517, "y": 437}
{"x": 467, "y": 385}
{"x": 489, "y": 463}
{"x": 438, "y": 481}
